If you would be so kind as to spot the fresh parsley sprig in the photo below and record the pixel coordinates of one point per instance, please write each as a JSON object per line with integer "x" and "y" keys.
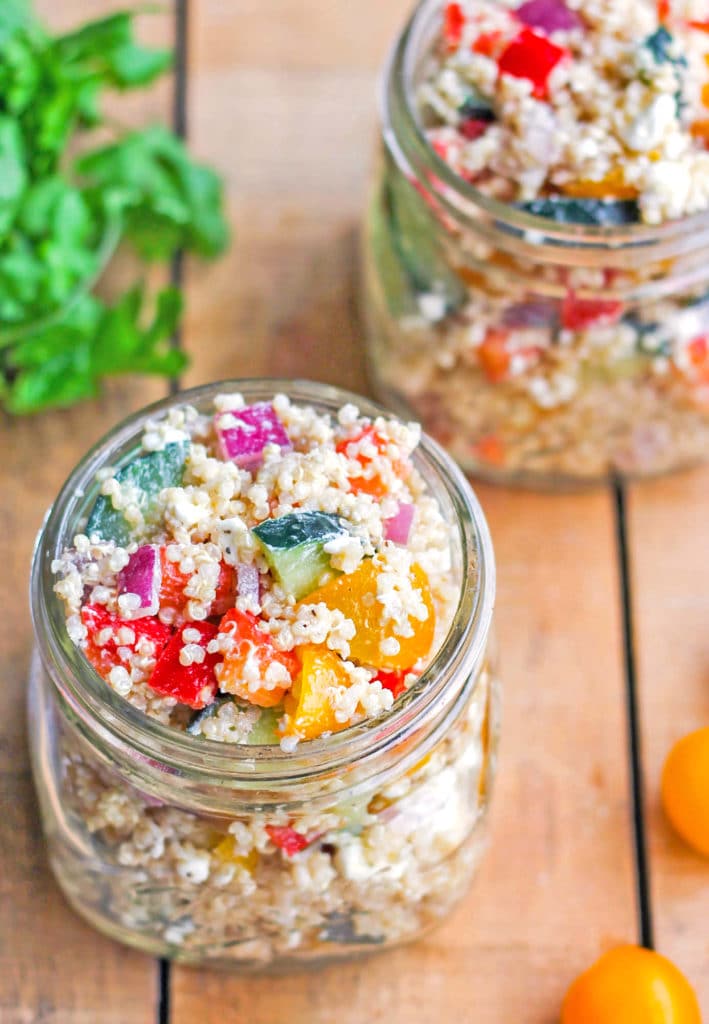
{"x": 66, "y": 203}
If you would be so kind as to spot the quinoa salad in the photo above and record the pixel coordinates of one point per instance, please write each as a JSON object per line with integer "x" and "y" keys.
{"x": 588, "y": 114}
{"x": 578, "y": 100}
{"x": 268, "y": 575}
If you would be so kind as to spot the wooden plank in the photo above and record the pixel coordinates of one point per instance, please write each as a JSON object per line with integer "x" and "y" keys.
{"x": 55, "y": 968}
{"x": 296, "y": 86}
{"x": 557, "y": 886}
{"x": 669, "y": 559}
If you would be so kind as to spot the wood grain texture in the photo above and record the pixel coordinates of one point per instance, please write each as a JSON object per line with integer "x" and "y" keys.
{"x": 283, "y": 101}
{"x": 556, "y": 887}
{"x": 670, "y": 562}
{"x": 56, "y": 970}
{"x": 292, "y": 128}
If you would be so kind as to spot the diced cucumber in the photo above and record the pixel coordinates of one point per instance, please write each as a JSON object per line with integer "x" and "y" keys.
{"x": 477, "y": 106}
{"x": 194, "y": 726}
{"x": 593, "y": 212}
{"x": 661, "y": 45}
{"x": 342, "y": 929}
{"x": 354, "y": 813}
{"x": 149, "y": 474}
{"x": 294, "y": 548}
{"x": 265, "y": 731}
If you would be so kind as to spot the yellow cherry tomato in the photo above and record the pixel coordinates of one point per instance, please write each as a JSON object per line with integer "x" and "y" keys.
{"x": 630, "y": 985}
{"x": 685, "y": 789}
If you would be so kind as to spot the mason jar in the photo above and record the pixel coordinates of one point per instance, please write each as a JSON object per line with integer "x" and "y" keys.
{"x": 160, "y": 839}
{"x": 536, "y": 352}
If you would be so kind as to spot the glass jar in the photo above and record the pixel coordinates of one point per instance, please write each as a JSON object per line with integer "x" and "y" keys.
{"x": 536, "y": 352}
{"x": 160, "y": 839}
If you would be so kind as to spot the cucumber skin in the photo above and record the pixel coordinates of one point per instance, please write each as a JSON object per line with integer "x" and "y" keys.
{"x": 592, "y": 212}
{"x": 150, "y": 474}
{"x": 293, "y": 546}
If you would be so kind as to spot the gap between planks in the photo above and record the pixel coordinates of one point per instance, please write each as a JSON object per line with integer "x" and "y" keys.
{"x": 179, "y": 124}
{"x": 636, "y": 769}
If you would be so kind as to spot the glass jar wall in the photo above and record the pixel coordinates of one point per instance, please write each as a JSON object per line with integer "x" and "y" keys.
{"x": 193, "y": 849}
{"x": 538, "y": 353}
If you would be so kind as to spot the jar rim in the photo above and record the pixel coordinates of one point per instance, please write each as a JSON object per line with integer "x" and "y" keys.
{"x": 461, "y": 200}
{"x": 126, "y": 727}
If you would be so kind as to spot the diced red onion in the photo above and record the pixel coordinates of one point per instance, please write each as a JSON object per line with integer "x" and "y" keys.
{"x": 549, "y": 15}
{"x": 244, "y": 433}
{"x": 398, "y": 526}
{"x": 142, "y": 577}
{"x": 535, "y": 313}
{"x": 247, "y": 582}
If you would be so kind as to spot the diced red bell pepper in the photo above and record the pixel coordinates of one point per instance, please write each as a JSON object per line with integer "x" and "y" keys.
{"x": 194, "y": 684}
{"x": 453, "y": 24}
{"x": 105, "y": 656}
{"x": 172, "y": 587}
{"x": 472, "y": 128}
{"x": 441, "y": 148}
{"x": 663, "y": 11}
{"x": 392, "y": 679}
{"x": 579, "y": 313}
{"x": 494, "y": 356}
{"x": 287, "y": 839}
{"x": 531, "y": 56}
{"x": 702, "y": 26}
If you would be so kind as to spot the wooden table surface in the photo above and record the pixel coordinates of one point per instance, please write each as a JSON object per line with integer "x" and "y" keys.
{"x": 603, "y": 604}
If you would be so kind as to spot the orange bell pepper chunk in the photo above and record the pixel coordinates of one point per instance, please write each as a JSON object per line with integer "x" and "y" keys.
{"x": 309, "y": 712}
{"x": 252, "y": 656}
{"x": 355, "y": 595}
{"x": 700, "y": 130}
{"x": 368, "y": 482}
{"x": 173, "y": 583}
{"x": 613, "y": 186}
{"x": 494, "y": 356}
{"x": 490, "y": 449}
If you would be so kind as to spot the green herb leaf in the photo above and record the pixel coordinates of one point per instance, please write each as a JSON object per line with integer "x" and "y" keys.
{"x": 14, "y": 14}
{"x": 13, "y": 173}
{"x": 170, "y": 201}
{"x": 61, "y": 216}
{"x": 122, "y": 345}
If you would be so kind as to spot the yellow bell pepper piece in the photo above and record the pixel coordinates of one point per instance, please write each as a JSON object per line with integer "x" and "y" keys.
{"x": 309, "y": 712}
{"x": 225, "y": 851}
{"x": 355, "y": 595}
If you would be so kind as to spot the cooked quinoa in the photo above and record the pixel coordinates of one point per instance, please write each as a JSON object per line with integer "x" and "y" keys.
{"x": 219, "y": 638}
{"x": 262, "y": 890}
{"x": 585, "y": 98}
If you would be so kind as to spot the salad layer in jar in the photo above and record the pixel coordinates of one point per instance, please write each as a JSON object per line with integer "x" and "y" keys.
{"x": 265, "y": 576}
{"x": 586, "y": 351}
